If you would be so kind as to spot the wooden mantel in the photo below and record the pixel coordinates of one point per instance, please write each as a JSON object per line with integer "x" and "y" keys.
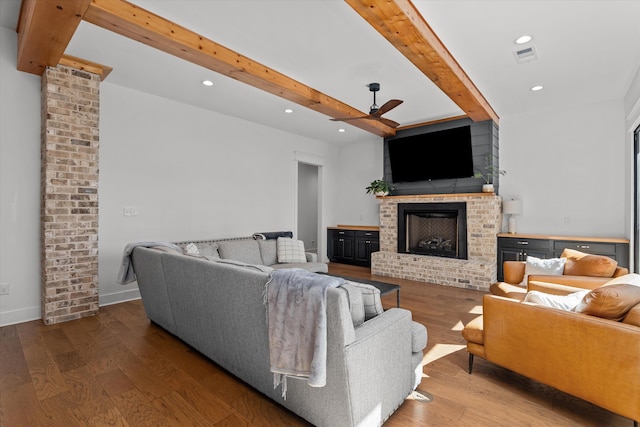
{"x": 444, "y": 196}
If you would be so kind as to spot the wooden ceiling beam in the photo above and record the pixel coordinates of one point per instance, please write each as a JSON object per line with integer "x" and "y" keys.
{"x": 82, "y": 64}
{"x": 146, "y": 27}
{"x": 404, "y": 27}
{"x": 45, "y": 28}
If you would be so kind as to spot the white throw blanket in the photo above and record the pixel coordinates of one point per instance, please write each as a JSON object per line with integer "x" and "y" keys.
{"x": 126, "y": 273}
{"x": 297, "y": 320}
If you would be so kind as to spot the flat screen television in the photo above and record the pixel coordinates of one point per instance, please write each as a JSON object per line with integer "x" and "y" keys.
{"x": 444, "y": 154}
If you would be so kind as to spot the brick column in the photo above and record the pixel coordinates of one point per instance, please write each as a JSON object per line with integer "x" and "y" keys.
{"x": 69, "y": 192}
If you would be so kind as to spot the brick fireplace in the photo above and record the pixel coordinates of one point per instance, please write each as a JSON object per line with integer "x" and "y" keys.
{"x": 478, "y": 271}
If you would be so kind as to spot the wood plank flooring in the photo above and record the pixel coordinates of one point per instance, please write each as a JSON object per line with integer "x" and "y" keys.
{"x": 118, "y": 369}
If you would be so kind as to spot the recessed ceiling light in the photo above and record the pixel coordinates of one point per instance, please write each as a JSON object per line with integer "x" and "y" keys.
{"x": 523, "y": 39}
{"x": 341, "y": 130}
{"x": 537, "y": 88}
{"x": 288, "y": 111}
{"x": 207, "y": 82}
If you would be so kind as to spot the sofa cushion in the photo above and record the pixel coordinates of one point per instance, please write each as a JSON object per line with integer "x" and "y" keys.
{"x": 356, "y": 303}
{"x": 268, "y": 251}
{"x": 371, "y": 299}
{"x": 245, "y": 250}
{"x": 610, "y": 301}
{"x": 583, "y": 264}
{"x": 290, "y": 250}
{"x": 550, "y": 266}
{"x": 209, "y": 250}
{"x": 562, "y": 302}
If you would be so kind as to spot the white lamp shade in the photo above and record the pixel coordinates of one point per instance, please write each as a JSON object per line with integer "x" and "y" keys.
{"x": 512, "y": 207}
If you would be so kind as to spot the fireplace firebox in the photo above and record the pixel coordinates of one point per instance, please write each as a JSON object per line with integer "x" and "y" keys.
{"x": 435, "y": 229}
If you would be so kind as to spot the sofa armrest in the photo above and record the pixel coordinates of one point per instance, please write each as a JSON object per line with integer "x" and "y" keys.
{"x": 381, "y": 359}
{"x": 311, "y": 257}
{"x": 586, "y": 356}
{"x": 513, "y": 271}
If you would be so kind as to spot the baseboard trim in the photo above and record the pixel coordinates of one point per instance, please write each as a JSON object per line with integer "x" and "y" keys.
{"x": 118, "y": 297}
{"x": 22, "y": 315}
{"x": 28, "y": 314}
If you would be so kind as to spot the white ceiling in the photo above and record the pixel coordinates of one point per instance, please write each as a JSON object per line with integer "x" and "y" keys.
{"x": 588, "y": 52}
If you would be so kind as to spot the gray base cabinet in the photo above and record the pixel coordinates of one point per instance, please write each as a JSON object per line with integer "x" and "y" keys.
{"x": 514, "y": 247}
{"x": 352, "y": 246}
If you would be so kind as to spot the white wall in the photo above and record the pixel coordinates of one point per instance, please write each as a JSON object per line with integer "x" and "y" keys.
{"x": 359, "y": 164}
{"x": 569, "y": 168}
{"x": 191, "y": 174}
{"x": 19, "y": 186}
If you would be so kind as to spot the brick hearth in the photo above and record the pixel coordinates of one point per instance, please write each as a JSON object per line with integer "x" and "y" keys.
{"x": 479, "y": 271}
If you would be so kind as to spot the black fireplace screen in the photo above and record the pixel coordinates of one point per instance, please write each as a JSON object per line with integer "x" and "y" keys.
{"x": 436, "y": 229}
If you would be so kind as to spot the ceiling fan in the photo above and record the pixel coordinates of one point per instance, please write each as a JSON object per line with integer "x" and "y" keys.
{"x": 375, "y": 112}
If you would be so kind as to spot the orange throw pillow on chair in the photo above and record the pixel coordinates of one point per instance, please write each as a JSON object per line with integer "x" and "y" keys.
{"x": 582, "y": 264}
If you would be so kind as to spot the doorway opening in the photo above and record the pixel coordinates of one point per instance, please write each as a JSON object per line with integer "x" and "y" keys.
{"x": 308, "y": 206}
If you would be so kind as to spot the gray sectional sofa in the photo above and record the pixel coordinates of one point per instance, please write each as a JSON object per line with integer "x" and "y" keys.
{"x": 373, "y": 362}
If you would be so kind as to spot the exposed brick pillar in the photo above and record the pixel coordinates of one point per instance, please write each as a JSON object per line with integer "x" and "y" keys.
{"x": 69, "y": 191}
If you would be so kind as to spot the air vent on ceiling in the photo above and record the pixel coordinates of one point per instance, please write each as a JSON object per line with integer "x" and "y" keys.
{"x": 525, "y": 55}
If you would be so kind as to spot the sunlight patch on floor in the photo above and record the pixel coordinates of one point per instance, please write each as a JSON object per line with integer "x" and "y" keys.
{"x": 441, "y": 350}
{"x": 476, "y": 310}
{"x": 458, "y": 326}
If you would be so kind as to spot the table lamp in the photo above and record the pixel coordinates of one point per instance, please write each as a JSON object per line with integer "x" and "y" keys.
{"x": 512, "y": 208}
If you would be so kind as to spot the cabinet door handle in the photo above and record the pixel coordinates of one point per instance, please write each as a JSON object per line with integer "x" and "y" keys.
{"x": 340, "y": 240}
{"x": 523, "y": 243}
{"x": 340, "y": 232}
{"x": 368, "y": 241}
{"x": 584, "y": 246}
{"x": 367, "y": 234}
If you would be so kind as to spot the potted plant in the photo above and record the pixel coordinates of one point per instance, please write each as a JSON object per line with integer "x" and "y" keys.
{"x": 380, "y": 187}
{"x": 488, "y": 173}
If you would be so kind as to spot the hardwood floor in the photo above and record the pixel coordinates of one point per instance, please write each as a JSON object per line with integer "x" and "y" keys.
{"x": 118, "y": 369}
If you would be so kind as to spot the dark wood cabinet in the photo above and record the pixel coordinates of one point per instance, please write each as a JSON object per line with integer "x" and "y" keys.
{"x": 352, "y": 246}
{"x": 514, "y": 247}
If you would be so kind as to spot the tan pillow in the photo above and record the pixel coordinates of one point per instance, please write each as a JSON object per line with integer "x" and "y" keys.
{"x": 610, "y": 302}
{"x": 582, "y": 264}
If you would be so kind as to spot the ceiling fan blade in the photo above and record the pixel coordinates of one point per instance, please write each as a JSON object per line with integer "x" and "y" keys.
{"x": 346, "y": 119}
{"x": 388, "y": 122}
{"x": 387, "y": 106}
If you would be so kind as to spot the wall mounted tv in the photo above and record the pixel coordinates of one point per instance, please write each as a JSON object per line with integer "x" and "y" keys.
{"x": 444, "y": 154}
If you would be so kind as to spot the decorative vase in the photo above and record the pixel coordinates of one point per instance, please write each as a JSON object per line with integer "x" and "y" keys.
{"x": 487, "y": 188}
{"x": 381, "y": 193}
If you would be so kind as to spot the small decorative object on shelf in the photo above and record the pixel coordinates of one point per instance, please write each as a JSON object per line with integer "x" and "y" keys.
{"x": 487, "y": 174}
{"x": 380, "y": 187}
